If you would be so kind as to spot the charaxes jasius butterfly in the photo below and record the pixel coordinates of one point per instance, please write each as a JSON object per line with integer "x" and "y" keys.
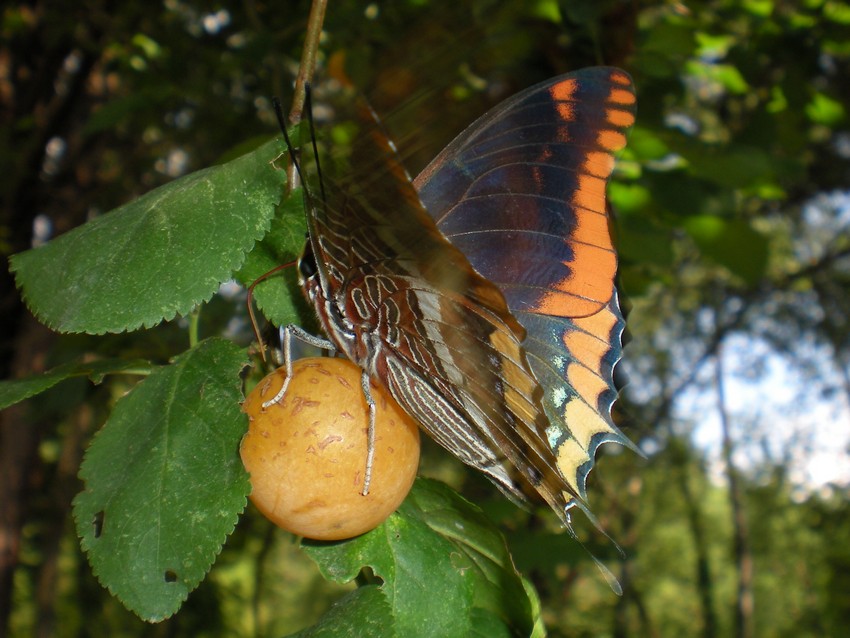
{"x": 481, "y": 294}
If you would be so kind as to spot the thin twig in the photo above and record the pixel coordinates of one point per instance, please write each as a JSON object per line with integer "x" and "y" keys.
{"x": 305, "y": 71}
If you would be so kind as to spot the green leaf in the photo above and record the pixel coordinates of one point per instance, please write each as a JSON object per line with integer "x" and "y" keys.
{"x": 838, "y": 12}
{"x": 735, "y": 166}
{"x": 646, "y": 144}
{"x": 713, "y": 45}
{"x": 279, "y": 297}
{"x": 761, "y": 8}
{"x": 666, "y": 44}
{"x": 164, "y": 484}
{"x": 731, "y": 243}
{"x": 16, "y": 390}
{"x": 682, "y": 194}
{"x": 364, "y": 613}
{"x": 824, "y": 110}
{"x": 778, "y": 101}
{"x": 725, "y": 75}
{"x": 548, "y": 10}
{"x": 675, "y": 38}
{"x": 445, "y": 568}
{"x": 628, "y": 199}
{"x": 151, "y": 47}
{"x": 118, "y": 110}
{"x": 157, "y": 256}
{"x": 642, "y": 241}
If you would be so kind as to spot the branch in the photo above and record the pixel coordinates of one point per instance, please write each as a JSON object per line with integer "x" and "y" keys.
{"x": 305, "y": 73}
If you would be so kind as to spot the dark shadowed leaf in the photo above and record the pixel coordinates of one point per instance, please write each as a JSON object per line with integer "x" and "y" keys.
{"x": 731, "y": 243}
{"x": 278, "y": 297}
{"x": 732, "y": 167}
{"x": 15, "y": 390}
{"x": 164, "y": 484}
{"x": 364, "y": 613}
{"x": 444, "y": 567}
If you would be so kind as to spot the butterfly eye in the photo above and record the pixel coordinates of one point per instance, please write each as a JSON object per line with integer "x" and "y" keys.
{"x": 307, "y": 265}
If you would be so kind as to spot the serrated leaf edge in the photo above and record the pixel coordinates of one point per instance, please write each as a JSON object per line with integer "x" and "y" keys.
{"x": 209, "y": 560}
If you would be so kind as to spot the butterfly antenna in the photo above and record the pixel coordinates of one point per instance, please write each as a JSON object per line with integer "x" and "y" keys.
{"x": 281, "y": 121}
{"x": 308, "y": 105}
{"x": 293, "y": 156}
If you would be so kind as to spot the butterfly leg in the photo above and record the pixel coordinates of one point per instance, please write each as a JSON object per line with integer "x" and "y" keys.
{"x": 290, "y": 331}
{"x": 286, "y": 335}
{"x": 370, "y": 449}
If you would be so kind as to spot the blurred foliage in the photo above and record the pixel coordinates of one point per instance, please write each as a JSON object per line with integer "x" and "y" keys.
{"x": 734, "y": 231}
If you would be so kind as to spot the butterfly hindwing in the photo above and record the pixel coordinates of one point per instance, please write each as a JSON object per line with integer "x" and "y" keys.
{"x": 521, "y": 193}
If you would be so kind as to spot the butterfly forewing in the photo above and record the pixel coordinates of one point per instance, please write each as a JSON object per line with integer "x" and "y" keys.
{"x": 404, "y": 304}
{"x": 522, "y": 193}
{"x": 529, "y": 177}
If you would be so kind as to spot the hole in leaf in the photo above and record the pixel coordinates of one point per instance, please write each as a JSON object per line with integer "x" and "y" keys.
{"x": 170, "y": 576}
{"x": 97, "y": 524}
{"x": 368, "y": 577}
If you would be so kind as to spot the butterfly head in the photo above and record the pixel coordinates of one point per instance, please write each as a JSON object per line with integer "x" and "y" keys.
{"x": 308, "y": 269}
{"x": 309, "y": 274}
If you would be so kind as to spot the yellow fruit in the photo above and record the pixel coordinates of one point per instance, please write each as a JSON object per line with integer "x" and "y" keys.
{"x": 306, "y": 454}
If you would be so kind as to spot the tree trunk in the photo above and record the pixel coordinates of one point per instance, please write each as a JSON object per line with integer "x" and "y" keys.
{"x": 704, "y": 582}
{"x": 19, "y": 439}
{"x": 742, "y": 554}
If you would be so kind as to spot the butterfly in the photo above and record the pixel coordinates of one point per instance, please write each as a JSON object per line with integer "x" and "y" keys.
{"x": 481, "y": 294}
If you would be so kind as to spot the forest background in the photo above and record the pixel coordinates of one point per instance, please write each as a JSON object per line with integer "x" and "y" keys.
{"x": 732, "y": 207}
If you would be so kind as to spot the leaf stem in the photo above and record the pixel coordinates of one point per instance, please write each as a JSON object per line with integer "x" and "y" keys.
{"x": 141, "y": 372}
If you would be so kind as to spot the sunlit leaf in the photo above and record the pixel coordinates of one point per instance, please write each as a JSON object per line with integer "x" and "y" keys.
{"x": 548, "y": 10}
{"x": 151, "y": 47}
{"x": 628, "y": 198}
{"x": 646, "y": 144}
{"x": 156, "y": 257}
{"x": 824, "y": 110}
{"x": 761, "y": 8}
{"x": 778, "y": 101}
{"x": 725, "y": 75}
{"x": 838, "y": 12}
{"x": 713, "y": 45}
